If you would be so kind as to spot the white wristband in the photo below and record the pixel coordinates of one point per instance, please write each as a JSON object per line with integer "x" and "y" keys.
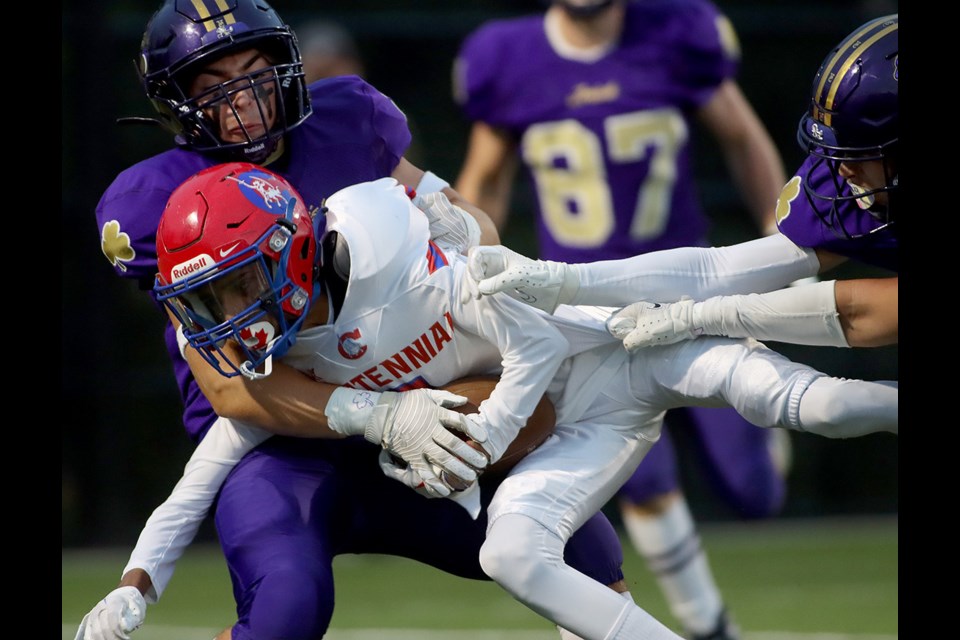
{"x": 430, "y": 183}
{"x": 349, "y": 410}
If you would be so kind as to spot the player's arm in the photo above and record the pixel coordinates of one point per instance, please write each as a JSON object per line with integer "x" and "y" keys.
{"x": 287, "y": 402}
{"x": 488, "y": 171}
{"x": 425, "y": 182}
{"x": 531, "y": 348}
{"x": 169, "y": 530}
{"x": 764, "y": 264}
{"x": 869, "y": 311}
{"x": 750, "y": 153}
{"x": 840, "y": 313}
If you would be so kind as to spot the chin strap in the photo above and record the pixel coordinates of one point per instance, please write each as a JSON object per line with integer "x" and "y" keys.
{"x": 247, "y": 369}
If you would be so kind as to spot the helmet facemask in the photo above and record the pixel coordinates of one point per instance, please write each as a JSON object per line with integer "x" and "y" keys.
{"x": 851, "y": 130}
{"x": 829, "y": 198}
{"x": 178, "y": 46}
{"x": 249, "y": 301}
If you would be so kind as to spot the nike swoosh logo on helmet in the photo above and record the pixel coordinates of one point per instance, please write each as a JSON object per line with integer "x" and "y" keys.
{"x": 225, "y": 252}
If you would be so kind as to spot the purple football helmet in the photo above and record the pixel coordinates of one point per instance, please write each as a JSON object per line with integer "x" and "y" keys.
{"x": 184, "y": 36}
{"x": 854, "y": 117}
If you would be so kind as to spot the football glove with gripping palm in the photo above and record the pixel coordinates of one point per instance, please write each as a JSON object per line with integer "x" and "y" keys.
{"x": 417, "y": 427}
{"x": 649, "y": 324}
{"x": 543, "y": 284}
{"x": 114, "y": 617}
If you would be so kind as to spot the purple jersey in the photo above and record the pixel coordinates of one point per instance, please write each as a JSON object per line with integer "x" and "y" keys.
{"x": 606, "y": 142}
{"x": 799, "y": 220}
{"x": 355, "y": 134}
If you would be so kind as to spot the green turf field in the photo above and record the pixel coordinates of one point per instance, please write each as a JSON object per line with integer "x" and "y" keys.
{"x": 831, "y": 579}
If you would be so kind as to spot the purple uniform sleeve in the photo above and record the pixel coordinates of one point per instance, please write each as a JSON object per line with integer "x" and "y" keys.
{"x": 805, "y": 222}
{"x": 355, "y": 134}
{"x": 596, "y": 136}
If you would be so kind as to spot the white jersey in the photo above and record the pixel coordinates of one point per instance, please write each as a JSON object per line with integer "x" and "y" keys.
{"x": 403, "y": 325}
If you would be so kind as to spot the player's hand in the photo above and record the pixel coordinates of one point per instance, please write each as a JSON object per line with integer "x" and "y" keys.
{"x": 540, "y": 283}
{"x": 450, "y": 226}
{"x": 417, "y": 426}
{"x": 402, "y": 472}
{"x": 649, "y": 324}
{"x": 114, "y": 617}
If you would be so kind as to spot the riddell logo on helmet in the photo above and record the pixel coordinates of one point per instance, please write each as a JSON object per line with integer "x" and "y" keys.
{"x": 184, "y": 269}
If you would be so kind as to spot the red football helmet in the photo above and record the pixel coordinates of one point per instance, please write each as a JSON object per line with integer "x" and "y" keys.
{"x": 237, "y": 258}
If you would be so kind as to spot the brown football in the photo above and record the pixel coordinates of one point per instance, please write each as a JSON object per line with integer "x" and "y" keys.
{"x": 537, "y": 430}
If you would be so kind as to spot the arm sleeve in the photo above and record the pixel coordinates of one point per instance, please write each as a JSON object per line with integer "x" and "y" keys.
{"x": 173, "y": 525}
{"x": 798, "y": 315}
{"x": 532, "y": 349}
{"x": 756, "y": 266}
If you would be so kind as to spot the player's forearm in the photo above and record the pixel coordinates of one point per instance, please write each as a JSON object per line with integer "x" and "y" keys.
{"x": 759, "y": 265}
{"x": 287, "y": 402}
{"x": 137, "y": 578}
{"x": 532, "y": 350}
{"x": 173, "y": 525}
{"x": 869, "y": 311}
{"x": 804, "y": 314}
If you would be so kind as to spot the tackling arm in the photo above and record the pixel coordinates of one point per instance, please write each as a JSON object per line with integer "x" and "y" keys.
{"x": 286, "y": 402}
{"x": 761, "y": 265}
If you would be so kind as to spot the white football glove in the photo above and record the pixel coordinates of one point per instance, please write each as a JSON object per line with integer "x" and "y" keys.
{"x": 650, "y": 324}
{"x": 416, "y": 426}
{"x": 450, "y": 226}
{"x": 114, "y": 617}
{"x": 543, "y": 284}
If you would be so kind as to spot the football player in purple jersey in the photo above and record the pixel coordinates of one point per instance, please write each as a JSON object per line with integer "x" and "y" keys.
{"x": 841, "y": 203}
{"x": 599, "y": 100}
{"x": 226, "y": 78}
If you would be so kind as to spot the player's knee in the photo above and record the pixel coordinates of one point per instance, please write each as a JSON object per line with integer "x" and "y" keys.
{"x": 513, "y": 563}
{"x": 294, "y": 603}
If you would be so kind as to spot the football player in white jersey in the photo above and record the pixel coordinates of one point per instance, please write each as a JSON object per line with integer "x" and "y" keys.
{"x": 386, "y": 312}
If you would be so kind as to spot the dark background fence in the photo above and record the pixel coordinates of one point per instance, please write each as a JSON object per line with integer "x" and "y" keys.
{"x": 123, "y": 446}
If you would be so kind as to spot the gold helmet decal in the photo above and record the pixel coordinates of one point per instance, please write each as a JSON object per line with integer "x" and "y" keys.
{"x": 115, "y": 244}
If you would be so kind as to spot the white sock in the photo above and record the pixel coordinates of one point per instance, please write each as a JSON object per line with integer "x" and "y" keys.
{"x": 670, "y": 546}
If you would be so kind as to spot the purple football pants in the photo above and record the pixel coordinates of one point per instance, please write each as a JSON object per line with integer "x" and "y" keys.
{"x": 290, "y": 506}
{"x": 735, "y": 456}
